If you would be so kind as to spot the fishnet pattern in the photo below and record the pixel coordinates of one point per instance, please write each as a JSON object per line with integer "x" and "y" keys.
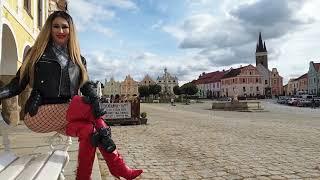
{"x": 50, "y": 117}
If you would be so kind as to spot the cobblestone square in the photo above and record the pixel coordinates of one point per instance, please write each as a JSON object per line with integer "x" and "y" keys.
{"x": 192, "y": 142}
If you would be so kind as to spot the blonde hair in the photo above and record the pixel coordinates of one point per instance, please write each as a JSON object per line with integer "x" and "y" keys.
{"x": 41, "y": 43}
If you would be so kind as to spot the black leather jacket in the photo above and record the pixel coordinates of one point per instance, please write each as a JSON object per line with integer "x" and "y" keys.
{"x": 47, "y": 86}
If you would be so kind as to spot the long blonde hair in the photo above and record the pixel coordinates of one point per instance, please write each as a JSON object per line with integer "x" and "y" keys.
{"x": 41, "y": 43}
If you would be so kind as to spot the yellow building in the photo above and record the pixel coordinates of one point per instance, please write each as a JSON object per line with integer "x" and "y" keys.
{"x": 21, "y": 21}
{"x": 129, "y": 87}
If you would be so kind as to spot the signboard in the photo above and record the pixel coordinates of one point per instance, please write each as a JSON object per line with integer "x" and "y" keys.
{"x": 117, "y": 110}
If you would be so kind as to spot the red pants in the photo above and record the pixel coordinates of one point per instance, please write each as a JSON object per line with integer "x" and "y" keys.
{"x": 81, "y": 125}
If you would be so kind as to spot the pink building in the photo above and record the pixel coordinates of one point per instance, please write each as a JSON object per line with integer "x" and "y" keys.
{"x": 276, "y": 83}
{"x": 244, "y": 81}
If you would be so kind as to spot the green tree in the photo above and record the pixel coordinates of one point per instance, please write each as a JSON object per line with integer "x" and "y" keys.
{"x": 189, "y": 89}
{"x": 176, "y": 90}
{"x": 144, "y": 91}
{"x": 154, "y": 89}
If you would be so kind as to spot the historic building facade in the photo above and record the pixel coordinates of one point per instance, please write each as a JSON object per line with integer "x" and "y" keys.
{"x": 303, "y": 83}
{"x": 111, "y": 88}
{"x": 313, "y": 78}
{"x": 167, "y": 82}
{"x": 292, "y": 87}
{"x": 276, "y": 82}
{"x": 21, "y": 21}
{"x": 244, "y": 81}
{"x": 209, "y": 84}
{"x": 129, "y": 87}
{"x": 146, "y": 81}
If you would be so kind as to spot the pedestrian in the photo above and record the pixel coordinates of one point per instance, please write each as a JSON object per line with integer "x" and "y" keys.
{"x": 172, "y": 101}
{"x": 56, "y": 71}
{"x": 313, "y": 103}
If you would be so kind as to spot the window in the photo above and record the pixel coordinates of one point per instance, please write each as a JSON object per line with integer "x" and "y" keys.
{"x": 257, "y": 80}
{"x": 243, "y": 80}
{"x": 265, "y": 81}
{"x": 274, "y": 81}
{"x": 233, "y": 80}
{"x": 250, "y": 73}
{"x": 244, "y": 89}
{"x": 27, "y": 6}
{"x": 40, "y": 14}
{"x": 257, "y": 88}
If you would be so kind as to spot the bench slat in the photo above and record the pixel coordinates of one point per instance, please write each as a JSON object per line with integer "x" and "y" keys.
{"x": 33, "y": 167}
{"x": 5, "y": 159}
{"x": 12, "y": 171}
{"x": 54, "y": 165}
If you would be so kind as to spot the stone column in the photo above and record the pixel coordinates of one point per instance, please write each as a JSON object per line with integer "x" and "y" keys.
{"x": 10, "y": 107}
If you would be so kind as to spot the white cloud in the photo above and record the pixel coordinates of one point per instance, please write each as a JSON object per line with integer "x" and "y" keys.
{"x": 122, "y": 4}
{"x": 102, "y": 66}
{"x": 104, "y": 30}
{"x": 157, "y": 25}
{"x": 90, "y": 16}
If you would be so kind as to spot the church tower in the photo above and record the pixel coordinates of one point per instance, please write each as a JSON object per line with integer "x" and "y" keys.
{"x": 261, "y": 53}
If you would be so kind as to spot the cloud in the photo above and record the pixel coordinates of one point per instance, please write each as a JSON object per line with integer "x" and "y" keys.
{"x": 122, "y": 4}
{"x": 101, "y": 66}
{"x": 231, "y": 38}
{"x": 157, "y": 25}
{"x": 104, "y": 30}
{"x": 84, "y": 13}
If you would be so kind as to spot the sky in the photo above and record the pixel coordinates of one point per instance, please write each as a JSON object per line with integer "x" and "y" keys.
{"x": 188, "y": 37}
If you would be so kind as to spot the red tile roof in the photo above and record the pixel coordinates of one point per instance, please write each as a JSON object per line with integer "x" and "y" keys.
{"x": 210, "y": 77}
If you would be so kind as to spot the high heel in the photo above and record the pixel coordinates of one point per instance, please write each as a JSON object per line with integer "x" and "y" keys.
{"x": 117, "y": 166}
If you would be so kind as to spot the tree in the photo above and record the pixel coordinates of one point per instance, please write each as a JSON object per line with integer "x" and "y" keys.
{"x": 144, "y": 91}
{"x": 189, "y": 89}
{"x": 154, "y": 89}
{"x": 176, "y": 90}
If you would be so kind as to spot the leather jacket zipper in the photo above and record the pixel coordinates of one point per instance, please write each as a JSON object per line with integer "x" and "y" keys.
{"x": 60, "y": 71}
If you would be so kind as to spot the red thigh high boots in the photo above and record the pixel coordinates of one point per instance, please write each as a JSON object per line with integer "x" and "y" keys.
{"x": 80, "y": 111}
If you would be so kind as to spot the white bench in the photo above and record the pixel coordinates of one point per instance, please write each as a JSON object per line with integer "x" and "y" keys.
{"x": 155, "y": 101}
{"x": 35, "y": 166}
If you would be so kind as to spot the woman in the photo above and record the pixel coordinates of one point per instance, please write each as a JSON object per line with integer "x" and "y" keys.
{"x": 56, "y": 71}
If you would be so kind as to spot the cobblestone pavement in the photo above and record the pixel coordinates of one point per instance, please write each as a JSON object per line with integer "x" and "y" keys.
{"x": 192, "y": 142}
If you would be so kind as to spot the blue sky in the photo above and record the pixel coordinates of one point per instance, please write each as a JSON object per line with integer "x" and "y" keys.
{"x": 138, "y": 37}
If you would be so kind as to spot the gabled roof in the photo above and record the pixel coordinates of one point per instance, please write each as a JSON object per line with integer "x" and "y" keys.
{"x": 210, "y": 77}
{"x": 317, "y": 66}
{"x": 236, "y": 72}
{"x": 303, "y": 76}
{"x": 232, "y": 73}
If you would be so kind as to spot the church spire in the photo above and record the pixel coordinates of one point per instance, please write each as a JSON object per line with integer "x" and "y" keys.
{"x": 261, "y": 46}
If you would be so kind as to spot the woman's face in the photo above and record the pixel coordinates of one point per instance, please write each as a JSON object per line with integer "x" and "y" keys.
{"x": 60, "y": 31}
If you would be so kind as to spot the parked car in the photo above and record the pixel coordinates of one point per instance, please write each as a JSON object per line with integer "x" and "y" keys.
{"x": 293, "y": 101}
{"x": 282, "y": 100}
{"x": 304, "y": 103}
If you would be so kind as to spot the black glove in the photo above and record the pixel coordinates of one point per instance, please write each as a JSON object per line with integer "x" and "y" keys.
{"x": 103, "y": 137}
{"x": 33, "y": 103}
{"x": 91, "y": 97}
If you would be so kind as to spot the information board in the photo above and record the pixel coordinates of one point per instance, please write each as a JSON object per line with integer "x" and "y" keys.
{"x": 117, "y": 110}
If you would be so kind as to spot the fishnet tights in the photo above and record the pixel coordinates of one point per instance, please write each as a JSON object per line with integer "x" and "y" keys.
{"x": 50, "y": 117}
